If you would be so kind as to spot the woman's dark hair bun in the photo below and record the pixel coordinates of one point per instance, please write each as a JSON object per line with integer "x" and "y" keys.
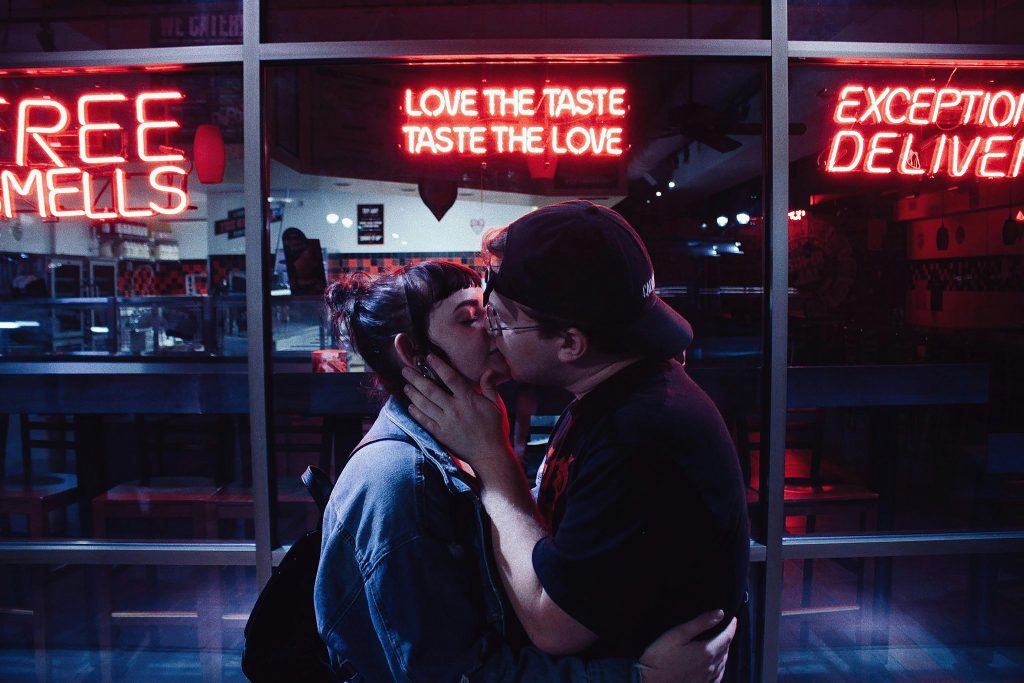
{"x": 342, "y": 298}
{"x": 371, "y": 310}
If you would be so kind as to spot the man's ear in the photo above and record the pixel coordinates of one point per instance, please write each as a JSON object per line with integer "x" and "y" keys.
{"x": 574, "y": 345}
{"x": 405, "y": 349}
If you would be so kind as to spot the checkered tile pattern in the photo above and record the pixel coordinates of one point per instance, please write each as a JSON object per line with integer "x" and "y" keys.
{"x": 136, "y": 278}
{"x": 196, "y": 267}
{"x": 344, "y": 264}
{"x": 162, "y": 278}
{"x": 223, "y": 264}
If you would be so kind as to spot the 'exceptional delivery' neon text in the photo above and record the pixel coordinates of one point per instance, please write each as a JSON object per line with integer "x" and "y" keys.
{"x": 928, "y": 131}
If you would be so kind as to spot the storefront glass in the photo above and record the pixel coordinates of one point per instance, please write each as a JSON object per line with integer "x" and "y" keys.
{"x": 127, "y": 435}
{"x": 121, "y": 218}
{"x": 374, "y": 166}
{"x": 905, "y": 270}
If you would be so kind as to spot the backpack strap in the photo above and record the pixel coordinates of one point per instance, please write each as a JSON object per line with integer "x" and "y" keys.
{"x": 405, "y": 438}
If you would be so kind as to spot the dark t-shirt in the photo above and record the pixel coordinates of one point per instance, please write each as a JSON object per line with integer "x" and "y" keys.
{"x": 643, "y": 493}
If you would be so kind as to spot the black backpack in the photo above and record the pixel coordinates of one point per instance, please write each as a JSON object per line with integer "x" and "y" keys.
{"x": 282, "y": 642}
{"x": 281, "y": 639}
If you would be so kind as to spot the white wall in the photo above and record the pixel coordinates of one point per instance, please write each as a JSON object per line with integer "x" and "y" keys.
{"x": 35, "y": 235}
{"x": 68, "y": 237}
{"x": 405, "y": 216}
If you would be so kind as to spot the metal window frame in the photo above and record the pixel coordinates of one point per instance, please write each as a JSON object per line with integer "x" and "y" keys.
{"x": 777, "y": 51}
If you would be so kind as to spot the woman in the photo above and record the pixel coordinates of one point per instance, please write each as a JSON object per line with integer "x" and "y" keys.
{"x": 406, "y": 589}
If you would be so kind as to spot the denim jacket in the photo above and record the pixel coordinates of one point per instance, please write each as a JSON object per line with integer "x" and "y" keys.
{"x": 407, "y": 589}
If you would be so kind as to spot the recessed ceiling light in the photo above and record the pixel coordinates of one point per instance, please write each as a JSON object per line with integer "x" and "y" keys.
{"x": 332, "y": 218}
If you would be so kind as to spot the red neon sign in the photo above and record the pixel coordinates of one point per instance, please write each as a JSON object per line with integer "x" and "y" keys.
{"x": 552, "y": 120}
{"x": 90, "y": 168}
{"x": 958, "y": 132}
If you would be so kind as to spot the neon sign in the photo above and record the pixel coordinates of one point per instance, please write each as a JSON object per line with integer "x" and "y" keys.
{"x": 578, "y": 121}
{"x": 928, "y": 131}
{"x": 80, "y": 161}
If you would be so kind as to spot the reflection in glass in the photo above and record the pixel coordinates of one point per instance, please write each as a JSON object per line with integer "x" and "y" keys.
{"x": 916, "y": 618}
{"x": 124, "y": 623}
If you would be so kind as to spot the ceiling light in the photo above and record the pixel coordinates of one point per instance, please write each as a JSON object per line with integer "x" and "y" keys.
{"x": 671, "y": 184}
{"x": 743, "y": 218}
{"x": 394, "y": 235}
{"x": 347, "y": 222}
{"x": 332, "y": 218}
{"x": 658, "y": 193}
{"x": 722, "y": 221}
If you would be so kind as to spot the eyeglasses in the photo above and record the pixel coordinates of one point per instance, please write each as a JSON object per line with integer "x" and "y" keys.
{"x": 496, "y": 328}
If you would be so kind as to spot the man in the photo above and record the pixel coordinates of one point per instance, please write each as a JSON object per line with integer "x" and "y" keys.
{"x": 640, "y": 518}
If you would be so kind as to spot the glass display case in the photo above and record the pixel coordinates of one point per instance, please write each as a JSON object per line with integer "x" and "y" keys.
{"x": 155, "y": 326}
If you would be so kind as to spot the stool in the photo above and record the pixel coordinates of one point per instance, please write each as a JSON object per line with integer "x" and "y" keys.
{"x": 808, "y": 495}
{"x": 174, "y": 456}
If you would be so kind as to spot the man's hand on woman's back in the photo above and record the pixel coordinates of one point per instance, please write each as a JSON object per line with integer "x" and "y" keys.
{"x": 675, "y": 657}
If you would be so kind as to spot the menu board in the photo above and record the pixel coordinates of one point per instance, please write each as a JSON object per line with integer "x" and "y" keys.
{"x": 370, "y": 224}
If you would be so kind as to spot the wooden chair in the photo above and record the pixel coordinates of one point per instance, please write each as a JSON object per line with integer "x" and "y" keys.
{"x": 813, "y": 489}
{"x": 299, "y": 441}
{"x": 181, "y": 466}
{"x": 35, "y": 495}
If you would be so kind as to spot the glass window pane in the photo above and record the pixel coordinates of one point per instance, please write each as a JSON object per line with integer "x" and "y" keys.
{"x": 127, "y": 477}
{"x": 123, "y": 623}
{"x": 314, "y": 20}
{"x": 905, "y": 264}
{"x": 122, "y": 213}
{"x": 66, "y": 26}
{"x": 916, "y": 618}
{"x": 917, "y": 21}
{"x": 367, "y": 174}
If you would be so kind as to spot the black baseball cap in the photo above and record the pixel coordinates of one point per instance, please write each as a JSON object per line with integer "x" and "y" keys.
{"x": 584, "y": 263}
